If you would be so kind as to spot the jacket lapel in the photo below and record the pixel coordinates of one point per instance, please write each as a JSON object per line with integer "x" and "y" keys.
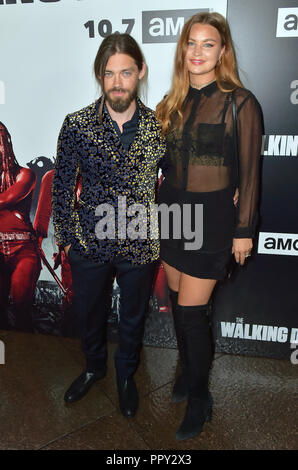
{"x": 108, "y": 137}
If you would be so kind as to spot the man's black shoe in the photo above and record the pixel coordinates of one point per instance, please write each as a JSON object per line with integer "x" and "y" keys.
{"x": 80, "y": 387}
{"x": 128, "y": 396}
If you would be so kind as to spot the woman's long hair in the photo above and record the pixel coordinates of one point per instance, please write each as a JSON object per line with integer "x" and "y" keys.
{"x": 9, "y": 167}
{"x": 226, "y": 71}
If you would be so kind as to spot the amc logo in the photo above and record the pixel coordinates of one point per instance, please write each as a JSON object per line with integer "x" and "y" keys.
{"x": 287, "y": 22}
{"x": 165, "y": 25}
{"x": 14, "y": 2}
{"x": 278, "y": 243}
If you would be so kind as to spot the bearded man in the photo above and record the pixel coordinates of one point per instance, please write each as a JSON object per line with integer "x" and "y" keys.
{"x": 115, "y": 145}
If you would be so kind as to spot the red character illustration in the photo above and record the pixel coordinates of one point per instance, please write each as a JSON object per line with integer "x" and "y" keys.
{"x": 161, "y": 290}
{"x": 41, "y": 225}
{"x": 160, "y": 287}
{"x": 19, "y": 257}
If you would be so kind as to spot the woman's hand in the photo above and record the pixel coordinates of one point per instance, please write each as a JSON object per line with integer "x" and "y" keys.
{"x": 241, "y": 249}
{"x": 236, "y": 197}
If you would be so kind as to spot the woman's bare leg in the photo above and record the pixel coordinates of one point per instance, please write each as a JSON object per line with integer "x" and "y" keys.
{"x": 192, "y": 290}
{"x": 173, "y": 276}
{"x": 195, "y": 291}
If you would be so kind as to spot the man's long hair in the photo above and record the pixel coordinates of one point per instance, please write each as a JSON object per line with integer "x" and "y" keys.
{"x": 226, "y": 71}
{"x": 120, "y": 43}
{"x": 9, "y": 167}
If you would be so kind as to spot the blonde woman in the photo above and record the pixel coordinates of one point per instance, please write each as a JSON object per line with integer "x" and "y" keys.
{"x": 204, "y": 169}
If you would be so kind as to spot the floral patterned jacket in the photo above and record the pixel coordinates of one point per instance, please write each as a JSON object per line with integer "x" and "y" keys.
{"x": 92, "y": 148}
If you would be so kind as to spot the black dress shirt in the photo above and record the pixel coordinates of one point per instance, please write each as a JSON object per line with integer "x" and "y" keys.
{"x": 129, "y": 130}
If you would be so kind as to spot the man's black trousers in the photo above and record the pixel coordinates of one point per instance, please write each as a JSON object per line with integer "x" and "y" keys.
{"x": 91, "y": 285}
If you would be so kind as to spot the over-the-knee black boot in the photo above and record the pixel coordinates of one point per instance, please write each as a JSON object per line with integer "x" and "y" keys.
{"x": 179, "y": 392}
{"x": 196, "y": 339}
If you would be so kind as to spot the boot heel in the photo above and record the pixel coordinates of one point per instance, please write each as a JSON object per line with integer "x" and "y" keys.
{"x": 197, "y": 413}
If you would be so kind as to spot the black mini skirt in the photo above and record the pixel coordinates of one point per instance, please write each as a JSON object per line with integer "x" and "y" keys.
{"x": 208, "y": 253}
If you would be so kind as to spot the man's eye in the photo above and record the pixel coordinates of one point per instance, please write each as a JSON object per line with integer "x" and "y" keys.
{"x": 190, "y": 43}
{"x": 108, "y": 74}
{"x": 127, "y": 74}
{"x": 208, "y": 44}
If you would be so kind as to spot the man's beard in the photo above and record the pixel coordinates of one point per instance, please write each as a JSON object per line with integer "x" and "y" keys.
{"x": 119, "y": 105}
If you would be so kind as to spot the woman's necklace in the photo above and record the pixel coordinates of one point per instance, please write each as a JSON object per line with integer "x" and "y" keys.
{"x": 199, "y": 87}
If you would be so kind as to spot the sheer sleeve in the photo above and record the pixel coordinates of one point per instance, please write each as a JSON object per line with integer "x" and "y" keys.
{"x": 250, "y": 138}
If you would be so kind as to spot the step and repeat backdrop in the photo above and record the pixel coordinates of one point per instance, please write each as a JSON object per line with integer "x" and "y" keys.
{"x": 47, "y": 49}
{"x": 257, "y": 313}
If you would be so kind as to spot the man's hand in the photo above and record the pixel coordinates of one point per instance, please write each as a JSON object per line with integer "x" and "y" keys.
{"x": 66, "y": 249}
{"x": 241, "y": 249}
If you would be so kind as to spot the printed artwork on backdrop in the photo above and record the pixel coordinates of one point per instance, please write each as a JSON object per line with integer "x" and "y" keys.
{"x": 27, "y": 304}
{"x": 19, "y": 257}
{"x": 58, "y": 81}
{"x": 54, "y": 43}
{"x": 256, "y": 313}
{"x": 2, "y": 92}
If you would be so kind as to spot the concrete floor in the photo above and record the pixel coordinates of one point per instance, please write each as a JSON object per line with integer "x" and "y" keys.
{"x": 255, "y": 401}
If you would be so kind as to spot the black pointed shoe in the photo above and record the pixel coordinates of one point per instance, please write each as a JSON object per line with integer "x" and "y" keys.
{"x": 81, "y": 386}
{"x": 128, "y": 396}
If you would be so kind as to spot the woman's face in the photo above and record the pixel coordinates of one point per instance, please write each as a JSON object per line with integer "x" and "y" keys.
{"x": 204, "y": 49}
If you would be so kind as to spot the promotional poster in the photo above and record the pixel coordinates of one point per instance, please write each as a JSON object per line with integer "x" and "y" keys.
{"x": 47, "y": 50}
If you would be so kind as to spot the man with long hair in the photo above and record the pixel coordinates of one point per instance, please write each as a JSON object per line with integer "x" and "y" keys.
{"x": 19, "y": 259}
{"x": 115, "y": 145}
